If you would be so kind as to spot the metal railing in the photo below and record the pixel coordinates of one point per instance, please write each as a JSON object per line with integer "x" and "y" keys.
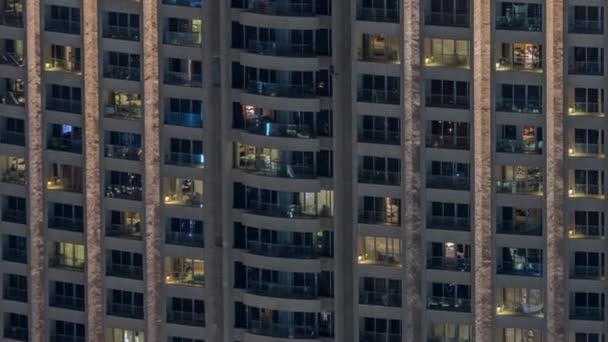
{"x": 14, "y": 215}
{"x": 63, "y": 261}
{"x": 11, "y": 176}
{"x": 379, "y": 177}
{"x": 125, "y": 271}
{"x": 447, "y": 101}
{"x": 528, "y": 63}
{"x": 586, "y": 272}
{"x": 12, "y": 58}
{"x": 519, "y": 23}
{"x": 56, "y": 64}
{"x": 188, "y": 199}
{"x": 128, "y": 192}
{"x": 529, "y": 105}
{"x": 586, "y": 68}
{"x": 121, "y": 72}
{"x": 67, "y": 302}
{"x": 532, "y": 269}
{"x": 586, "y": 148}
{"x": 447, "y": 19}
{"x": 184, "y": 239}
{"x": 11, "y": 19}
{"x": 282, "y": 250}
{"x": 379, "y": 217}
{"x": 125, "y": 310}
{"x": 586, "y": 26}
{"x": 462, "y": 183}
{"x": 586, "y": 108}
{"x": 520, "y": 228}
{"x": 122, "y": 111}
{"x": 64, "y": 105}
{"x": 587, "y": 313}
{"x": 186, "y": 318}
{"x": 387, "y": 15}
{"x": 448, "y": 264}
{"x": 283, "y": 330}
{"x": 14, "y": 293}
{"x": 281, "y": 290}
{"x": 587, "y": 230}
{"x": 281, "y": 90}
{"x": 123, "y": 152}
{"x": 185, "y": 3}
{"x": 379, "y": 298}
{"x": 284, "y": 210}
{"x": 447, "y": 60}
{"x": 66, "y": 223}
{"x": 282, "y": 8}
{"x": 194, "y": 120}
{"x": 121, "y": 32}
{"x": 65, "y": 144}
{"x": 379, "y": 96}
{"x": 62, "y": 26}
{"x": 283, "y": 49}
{"x": 13, "y": 98}
{"x": 449, "y": 223}
{"x": 370, "y": 336}
{"x": 448, "y": 142}
{"x": 127, "y": 231}
{"x": 449, "y": 303}
{"x": 518, "y": 146}
{"x": 183, "y": 79}
{"x": 524, "y": 187}
{"x": 278, "y": 169}
{"x": 379, "y": 136}
{"x": 192, "y": 39}
{"x": 12, "y": 138}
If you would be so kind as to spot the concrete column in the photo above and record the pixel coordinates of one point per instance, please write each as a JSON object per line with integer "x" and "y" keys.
{"x": 93, "y": 230}
{"x": 35, "y": 170}
{"x": 555, "y": 228}
{"x": 482, "y": 169}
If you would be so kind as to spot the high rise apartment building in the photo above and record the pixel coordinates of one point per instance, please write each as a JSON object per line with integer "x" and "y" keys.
{"x": 309, "y": 170}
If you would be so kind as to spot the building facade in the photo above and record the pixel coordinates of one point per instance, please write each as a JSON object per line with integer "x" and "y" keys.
{"x": 327, "y": 170}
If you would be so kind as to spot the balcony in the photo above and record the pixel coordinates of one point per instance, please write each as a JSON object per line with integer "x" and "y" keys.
{"x": 14, "y": 215}
{"x": 62, "y": 26}
{"x": 15, "y": 255}
{"x": 447, "y": 19}
{"x": 585, "y": 150}
{"x": 125, "y": 310}
{"x": 448, "y": 264}
{"x": 121, "y": 32}
{"x": 11, "y": 19}
{"x": 587, "y": 313}
{"x": 527, "y": 63}
{"x": 282, "y": 8}
{"x": 284, "y": 130}
{"x": 392, "y": 97}
{"x": 191, "y": 39}
{"x": 64, "y": 105}
{"x": 281, "y": 49}
{"x": 518, "y": 146}
{"x": 520, "y": 187}
{"x": 448, "y": 142}
{"x": 449, "y": 223}
{"x": 446, "y": 60}
{"x": 278, "y": 290}
{"x": 379, "y": 217}
{"x": 12, "y": 59}
{"x": 16, "y": 333}
{"x": 121, "y": 72}
{"x": 184, "y": 3}
{"x": 65, "y": 223}
{"x": 586, "y": 26}
{"x": 586, "y": 272}
{"x": 66, "y": 338}
{"x": 13, "y": 176}
{"x": 459, "y": 183}
{"x": 124, "y": 191}
{"x": 123, "y": 152}
{"x": 586, "y": 68}
{"x": 519, "y": 228}
{"x": 449, "y": 304}
{"x": 586, "y": 231}
{"x": 65, "y": 183}
{"x": 380, "y": 259}
{"x": 185, "y": 159}
{"x": 371, "y": 336}
{"x": 67, "y": 263}
{"x": 12, "y": 138}
{"x": 586, "y": 108}
{"x": 65, "y": 145}
{"x": 123, "y": 111}
{"x": 264, "y": 167}
{"x": 519, "y": 22}
{"x": 379, "y": 136}
{"x": 283, "y": 330}
{"x": 281, "y": 90}
{"x": 379, "y": 177}
{"x": 184, "y": 239}
{"x": 187, "y": 199}
{"x": 193, "y": 120}
{"x": 519, "y": 308}
{"x": 186, "y": 318}
{"x": 67, "y": 302}
{"x": 532, "y": 106}
{"x": 447, "y": 101}
{"x": 282, "y": 250}
{"x": 285, "y": 210}
{"x": 586, "y": 190}
{"x": 124, "y": 271}
{"x": 380, "y": 298}
{"x": 525, "y": 268}
{"x": 383, "y": 15}
{"x": 15, "y": 294}
{"x": 56, "y": 64}
{"x": 124, "y": 231}
{"x": 12, "y": 98}
{"x": 183, "y": 79}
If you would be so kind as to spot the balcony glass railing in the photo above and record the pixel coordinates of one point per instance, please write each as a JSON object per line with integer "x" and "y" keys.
{"x": 66, "y": 262}
{"x": 12, "y": 59}
{"x": 511, "y": 105}
{"x": 448, "y": 264}
{"x": 448, "y": 142}
{"x": 282, "y": 8}
{"x": 186, "y": 318}
{"x": 12, "y": 98}
{"x": 14, "y": 215}
{"x": 66, "y": 338}
{"x": 378, "y": 217}
{"x": 586, "y": 68}
{"x": 379, "y": 298}
{"x": 64, "y": 184}
{"x": 447, "y": 19}
{"x": 372, "y": 336}
{"x": 12, "y": 138}
{"x": 379, "y": 177}
{"x": 281, "y": 290}
{"x": 183, "y": 79}
{"x": 16, "y": 333}
{"x": 125, "y": 231}
{"x": 13, "y": 176}
{"x": 187, "y": 199}
{"x": 282, "y": 49}
{"x": 586, "y": 108}
{"x": 192, "y": 39}
{"x": 285, "y": 210}
{"x": 519, "y": 23}
{"x": 278, "y": 169}
{"x": 446, "y": 60}
{"x": 586, "y": 26}
{"x": 520, "y": 268}
{"x": 65, "y": 223}
{"x": 56, "y": 64}
{"x": 124, "y": 271}
{"x": 121, "y": 32}
{"x": 582, "y": 190}
{"x": 124, "y": 191}
{"x": 185, "y": 159}
{"x": 64, "y": 105}
{"x": 185, "y": 278}
{"x": 587, "y": 313}
{"x": 585, "y": 149}
{"x": 449, "y": 304}
{"x": 282, "y": 250}
{"x": 447, "y": 101}
{"x": 519, "y": 146}
{"x": 125, "y": 310}
{"x": 184, "y": 239}
{"x": 586, "y": 231}
{"x": 184, "y": 3}
{"x": 193, "y": 120}
{"x": 274, "y": 129}
{"x": 62, "y": 26}
{"x": 586, "y": 272}
{"x": 379, "y": 258}
{"x": 67, "y": 302}
{"x": 123, "y": 152}
{"x": 121, "y": 72}
{"x": 448, "y": 223}
{"x": 522, "y": 187}
{"x": 14, "y": 293}
{"x": 461, "y": 183}
{"x": 65, "y": 145}
{"x": 379, "y": 96}
{"x": 519, "y": 227}
{"x": 15, "y": 255}
{"x": 281, "y": 90}
{"x": 283, "y": 330}
{"x": 11, "y": 19}
{"x": 379, "y": 136}
{"x": 378, "y": 14}
{"x": 122, "y": 111}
